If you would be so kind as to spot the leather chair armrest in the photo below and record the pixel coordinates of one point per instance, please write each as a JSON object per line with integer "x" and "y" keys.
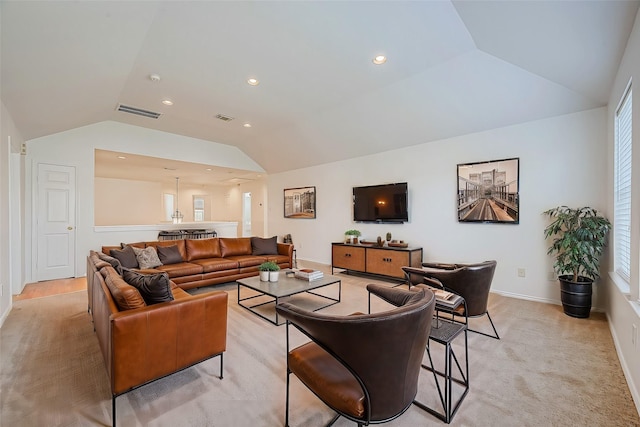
{"x": 157, "y": 340}
{"x": 393, "y": 296}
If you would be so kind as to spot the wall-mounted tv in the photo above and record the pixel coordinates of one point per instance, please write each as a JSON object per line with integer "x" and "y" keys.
{"x": 381, "y": 203}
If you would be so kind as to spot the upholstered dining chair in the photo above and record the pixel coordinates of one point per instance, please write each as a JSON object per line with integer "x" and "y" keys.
{"x": 365, "y": 367}
{"x": 471, "y": 281}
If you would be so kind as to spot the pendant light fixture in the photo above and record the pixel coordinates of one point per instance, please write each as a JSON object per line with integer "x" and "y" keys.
{"x": 177, "y": 215}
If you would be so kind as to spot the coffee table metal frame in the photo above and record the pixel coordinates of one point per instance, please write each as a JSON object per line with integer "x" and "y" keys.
{"x": 285, "y": 287}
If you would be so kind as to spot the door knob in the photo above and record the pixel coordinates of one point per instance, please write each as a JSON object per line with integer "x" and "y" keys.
{"x": 69, "y": 228}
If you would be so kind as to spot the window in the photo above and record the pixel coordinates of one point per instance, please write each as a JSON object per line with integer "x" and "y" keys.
{"x": 168, "y": 206}
{"x": 622, "y": 188}
{"x": 198, "y": 209}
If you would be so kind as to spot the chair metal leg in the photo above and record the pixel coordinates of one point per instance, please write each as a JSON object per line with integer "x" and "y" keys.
{"x": 286, "y": 407}
{"x": 495, "y": 332}
{"x": 334, "y": 419}
{"x": 113, "y": 409}
{"x": 221, "y": 364}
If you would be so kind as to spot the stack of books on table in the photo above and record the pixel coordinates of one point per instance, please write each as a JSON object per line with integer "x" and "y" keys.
{"x": 445, "y": 298}
{"x": 308, "y": 274}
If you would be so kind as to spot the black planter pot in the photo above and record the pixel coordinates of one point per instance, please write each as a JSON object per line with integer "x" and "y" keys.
{"x": 576, "y": 296}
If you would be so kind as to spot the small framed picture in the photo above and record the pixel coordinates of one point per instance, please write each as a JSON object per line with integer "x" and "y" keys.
{"x": 300, "y": 202}
{"x": 489, "y": 191}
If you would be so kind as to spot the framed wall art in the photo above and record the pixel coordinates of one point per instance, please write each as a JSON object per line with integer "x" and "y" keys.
{"x": 300, "y": 202}
{"x": 488, "y": 192}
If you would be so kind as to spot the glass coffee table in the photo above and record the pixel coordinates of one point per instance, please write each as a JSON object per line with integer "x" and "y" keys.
{"x": 285, "y": 287}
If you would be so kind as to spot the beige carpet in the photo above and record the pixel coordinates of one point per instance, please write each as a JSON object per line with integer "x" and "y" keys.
{"x": 548, "y": 370}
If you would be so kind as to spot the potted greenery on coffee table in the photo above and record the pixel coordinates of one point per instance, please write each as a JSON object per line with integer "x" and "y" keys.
{"x": 578, "y": 239}
{"x": 269, "y": 271}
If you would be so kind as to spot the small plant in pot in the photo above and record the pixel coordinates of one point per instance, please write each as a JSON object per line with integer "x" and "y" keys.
{"x": 578, "y": 240}
{"x": 269, "y": 271}
{"x": 351, "y": 236}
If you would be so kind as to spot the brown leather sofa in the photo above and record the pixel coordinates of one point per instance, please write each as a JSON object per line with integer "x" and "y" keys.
{"x": 218, "y": 260}
{"x": 143, "y": 344}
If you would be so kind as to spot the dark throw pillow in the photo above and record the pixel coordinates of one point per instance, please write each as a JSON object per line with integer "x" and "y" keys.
{"x": 260, "y": 246}
{"x": 111, "y": 260}
{"x": 126, "y": 256}
{"x": 126, "y": 297}
{"x": 169, "y": 254}
{"x": 154, "y": 288}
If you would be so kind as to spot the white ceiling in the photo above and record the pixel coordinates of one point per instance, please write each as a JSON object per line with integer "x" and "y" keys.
{"x": 454, "y": 68}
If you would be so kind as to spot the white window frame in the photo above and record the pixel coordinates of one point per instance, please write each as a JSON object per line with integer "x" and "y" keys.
{"x": 167, "y": 201}
{"x": 198, "y": 208}
{"x": 623, "y": 187}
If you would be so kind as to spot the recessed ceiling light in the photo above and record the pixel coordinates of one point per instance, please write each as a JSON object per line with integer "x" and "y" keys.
{"x": 122, "y": 157}
{"x": 247, "y": 125}
{"x": 253, "y": 82}
{"x": 167, "y": 102}
{"x": 380, "y": 59}
{"x": 208, "y": 169}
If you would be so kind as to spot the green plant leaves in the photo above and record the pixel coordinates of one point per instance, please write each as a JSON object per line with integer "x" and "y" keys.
{"x": 578, "y": 240}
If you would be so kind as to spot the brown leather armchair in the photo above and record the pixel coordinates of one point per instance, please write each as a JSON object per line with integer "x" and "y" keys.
{"x": 471, "y": 281}
{"x": 363, "y": 366}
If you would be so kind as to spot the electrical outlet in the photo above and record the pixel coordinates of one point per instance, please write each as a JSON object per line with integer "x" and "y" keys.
{"x": 634, "y": 335}
{"x": 521, "y": 272}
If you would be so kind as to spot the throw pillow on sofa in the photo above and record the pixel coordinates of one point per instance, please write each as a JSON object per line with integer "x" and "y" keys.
{"x": 169, "y": 254}
{"x": 126, "y": 256}
{"x": 260, "y": 246}
{"x": 154, "y": 288}
{"x": 111, "y": 260}
{"x": 126, "y": 297}
{"x": 147, "y": 257}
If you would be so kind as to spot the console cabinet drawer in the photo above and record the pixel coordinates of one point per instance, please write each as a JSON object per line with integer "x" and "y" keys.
{"x": 381, "y": 261}
{"x": 387, "y": 263}
{"x": 348, "y": 257}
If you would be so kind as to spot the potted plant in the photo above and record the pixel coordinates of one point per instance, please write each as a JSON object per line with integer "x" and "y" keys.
{"x": 269, "y": 271}
{"x": 351, "y": 236}
{"x": 578, "y": 239}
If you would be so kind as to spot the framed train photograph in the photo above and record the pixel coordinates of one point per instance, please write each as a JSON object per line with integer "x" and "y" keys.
{"x": 488, "y": 192}
{"x": 300, "y": 202}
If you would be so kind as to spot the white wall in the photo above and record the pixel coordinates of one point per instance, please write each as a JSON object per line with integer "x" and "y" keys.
{"x": 623, "y": 309}
{"x": 127, "y": 202}
{"x": 562, "y": 161}
{"x": 76, "y": 148}
{"x": 10, "y": 142}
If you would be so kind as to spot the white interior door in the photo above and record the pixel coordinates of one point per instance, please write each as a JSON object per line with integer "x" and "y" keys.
{"x": 56, "y": 217}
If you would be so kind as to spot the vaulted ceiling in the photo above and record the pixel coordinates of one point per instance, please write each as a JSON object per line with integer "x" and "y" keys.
{"x": 453, "y": 68}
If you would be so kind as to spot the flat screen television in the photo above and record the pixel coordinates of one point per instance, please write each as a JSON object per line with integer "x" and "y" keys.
{"x": 381, "y": 203}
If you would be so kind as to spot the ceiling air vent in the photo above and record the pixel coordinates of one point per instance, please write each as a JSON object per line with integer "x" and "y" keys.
{"x": 138, "y": 111}
{"x": 224, "y": 118}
